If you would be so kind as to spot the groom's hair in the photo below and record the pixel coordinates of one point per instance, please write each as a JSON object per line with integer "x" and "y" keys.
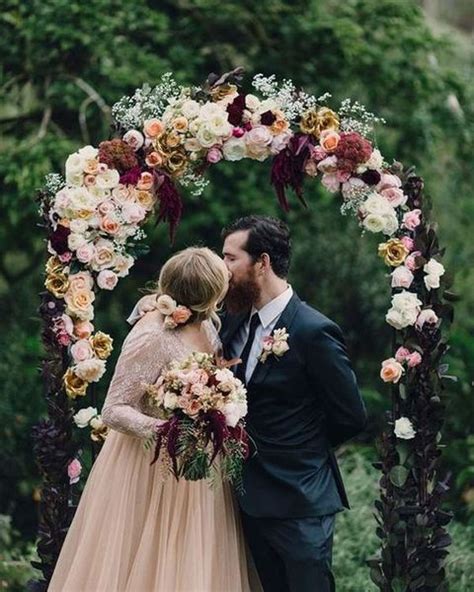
{"x": 266, "y": 235}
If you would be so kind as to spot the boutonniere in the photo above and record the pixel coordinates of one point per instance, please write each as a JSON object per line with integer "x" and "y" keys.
{"x": 275, "y": 344}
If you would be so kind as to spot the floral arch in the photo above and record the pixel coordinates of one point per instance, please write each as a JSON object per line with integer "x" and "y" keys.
{"x": 166, "y": 139}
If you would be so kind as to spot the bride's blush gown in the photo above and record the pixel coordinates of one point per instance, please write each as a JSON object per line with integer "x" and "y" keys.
{"x": 134, "y": 531}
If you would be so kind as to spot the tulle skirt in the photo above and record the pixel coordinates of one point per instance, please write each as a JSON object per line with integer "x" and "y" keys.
{"x": 133, "y": 531}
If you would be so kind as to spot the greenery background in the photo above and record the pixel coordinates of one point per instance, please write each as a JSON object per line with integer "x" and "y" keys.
{"x": 64, "y": 63}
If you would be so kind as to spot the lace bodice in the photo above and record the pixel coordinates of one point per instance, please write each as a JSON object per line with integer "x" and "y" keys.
{"x": 147, "y": 349}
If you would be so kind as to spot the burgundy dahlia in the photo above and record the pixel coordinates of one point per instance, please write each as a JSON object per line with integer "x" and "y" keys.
{"x": 117, "y": 154}
{"x": 59, "y": 239}
{"x": 236, "y": 110}
{"x": 267, "y": 118}
{"x": 352, "y": 150}
{"x": 371, "y": 177}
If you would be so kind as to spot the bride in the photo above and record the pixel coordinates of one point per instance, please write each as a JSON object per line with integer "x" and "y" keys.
{"x": 133, "y": 530}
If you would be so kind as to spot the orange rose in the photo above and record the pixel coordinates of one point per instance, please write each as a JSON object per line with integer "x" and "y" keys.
{"x": 391, "y": 370}
{"x": 329, "y": 140}
{"x": 153, "y": 127}
{"x": 181, "y": 315}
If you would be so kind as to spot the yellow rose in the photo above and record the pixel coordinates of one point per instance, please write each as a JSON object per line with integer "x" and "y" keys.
{"x": 393, "y": 252}
{"x": 54, "y": 265}
{"x": 75, "y": 386}
{"x": 309, "y": 121}
{"x": 314, "y": 122}
{"x": 79, "y": 303}
{"x": 167, "y": 142}
{"x": 101, "y": 344}
{"x": 57, "y": 284}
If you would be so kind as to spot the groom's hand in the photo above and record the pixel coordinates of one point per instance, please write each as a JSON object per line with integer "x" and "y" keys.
{"x": 144, "y": 305}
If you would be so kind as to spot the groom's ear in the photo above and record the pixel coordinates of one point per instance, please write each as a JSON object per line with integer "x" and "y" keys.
{"x": 265, "y": 261}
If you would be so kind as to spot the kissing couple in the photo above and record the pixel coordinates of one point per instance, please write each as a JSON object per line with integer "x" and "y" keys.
{"x": 134, "y": 530}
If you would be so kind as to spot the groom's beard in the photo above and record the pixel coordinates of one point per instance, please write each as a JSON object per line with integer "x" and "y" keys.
{"x": 242, "y": 295}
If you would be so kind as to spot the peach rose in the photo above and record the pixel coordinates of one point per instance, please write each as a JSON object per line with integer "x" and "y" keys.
{"x": 181, "y": 314}
{"x": 83, "y": 329}
{"x": 79, "y": 303}
{"x": 91, "y": 166}
{"x": 153, "y": 127}
{"x": 90, "y": 180}
{"x": 104, "y": 255}
{"x": 180, "y": 124}
{"x": 391, "y": 370}
{"x": 329, "y": 140}
{"x": 145, "y": 182}
{"x": 154, "y": 159}
{"x": 109, "y": 224}
{"x": 193, "y": 407}
{"x": 80, "y": 281}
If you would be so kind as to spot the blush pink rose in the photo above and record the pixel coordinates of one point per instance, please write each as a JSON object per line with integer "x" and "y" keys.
{"x": 318, "y": 153}
{"x": 134, "y": 139}
{"x": 133, "y": 213}
{"x": 106, "y": 207}
{"x": 408, "y": 242}
{"x": 74, "y": 469}
{"x": 259, "y": 136}
{"x": 331, "y": 182}
{"x": 402, "y": 277}
{"x": 107, "y": 279}
{"x": 81, "y": 350}
{"x": 394, "y": 195}
{"x": 214, "y": 155}
{"x": 90, "y": 180}
{"x": 65, "y": 257}
{"x": 85, "y": 252}
{"x": 412, "y": 219}
{"x": 343, "y": 176}
{"x": 109, "y": 224}
{"x": 426, "y": 316}
{"x": 401, "y": 354}
{"x": 410, "y": 260}
{"x": 387, "y": 180}
{"x": 413, "y": 359}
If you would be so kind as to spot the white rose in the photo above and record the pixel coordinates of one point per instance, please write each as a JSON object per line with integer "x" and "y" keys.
{"x": 108, "y": 179}
{"x": 166, "y": 305}
{"x": 233, "y": 412}
{"x": 107, "y": 279}
{"x": 375, "y": 204}
{"x": 123, "y": 263}
{"x": 192, "y": 145}
{"x": 434, "y": 270}
{"x": 90, "y": 370}
{"x": 190, "y": 109}
{"x": 97, "y": 423}
{"x": 432, "y": 282}
{"x": 79, "y": 226}
{"x": 404, "y": 429}
{"x": 280, "y": 142}
{"x": 74, "y": 164}
{"x": 374, "y": 223}
{"x": 75, "y": 241}
{"x": 83, "y": 416}
{"x": 402, "y": 277}
{"x": 88, "y": 152}
{"x": 209, "y": 111}
{"x": 234, "y": 149}
{"x": 252, "y": 102}
{"x": 75, "y": 179}
{"x": 134, "y": 138}
{"x": 206, "y": 137}
{"x": 426, "y": 316}
{"x": 267, "y": 105}
{"x": 224, "y": 374}
{"x": 395, "y": 319}
{"x": 170, "y": 400}
{"x": 390, "y": 222}
{"x": 375, "y": 161}
{"x": 219, "y": 126}
{"x": 280, "y": 347}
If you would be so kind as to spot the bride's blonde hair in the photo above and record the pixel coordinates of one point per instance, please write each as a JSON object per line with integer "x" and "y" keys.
{"x": 196, "y": 278}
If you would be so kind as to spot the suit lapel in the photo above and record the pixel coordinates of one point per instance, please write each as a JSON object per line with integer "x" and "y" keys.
{"x": 285, "y": 320}
{"x": 230, "y": 326}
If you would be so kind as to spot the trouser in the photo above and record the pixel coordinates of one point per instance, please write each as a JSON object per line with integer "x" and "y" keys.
{"x": 292, "y": 555}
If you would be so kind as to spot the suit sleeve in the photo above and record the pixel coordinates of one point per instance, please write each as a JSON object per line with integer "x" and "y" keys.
{"x": 335, "y": 383}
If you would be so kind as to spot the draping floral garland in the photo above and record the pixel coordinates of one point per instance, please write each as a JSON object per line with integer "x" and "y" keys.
{"x": 167, "y": 138}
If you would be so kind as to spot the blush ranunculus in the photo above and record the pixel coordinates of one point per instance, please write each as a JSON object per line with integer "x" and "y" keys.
{"x": 413, "y": 359}
{"x": 401, "y": 354}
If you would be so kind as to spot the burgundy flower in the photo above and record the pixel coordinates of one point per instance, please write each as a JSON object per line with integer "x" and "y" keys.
{"x": 236, "y": 110}
{"x": 59, "y": 239}
{"x": 51, "y": 306}
{"x": 267, "y": 118}
{"x": 352, "y": 150}
{"x": 370, "y": 177}
{"x": 117, "y": 154}
{"x": 288, "y": 169}
{"x": 170, "y": 203}
{"x": 131, "y": 177}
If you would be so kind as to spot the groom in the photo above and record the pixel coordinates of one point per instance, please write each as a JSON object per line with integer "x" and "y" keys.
{"x": 303, "y": 401}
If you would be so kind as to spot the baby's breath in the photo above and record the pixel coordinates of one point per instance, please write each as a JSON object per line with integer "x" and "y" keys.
{"x": 355, "y": 118}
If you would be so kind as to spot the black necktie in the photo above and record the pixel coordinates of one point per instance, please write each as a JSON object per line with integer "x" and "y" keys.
{"x": 241, "y": 368}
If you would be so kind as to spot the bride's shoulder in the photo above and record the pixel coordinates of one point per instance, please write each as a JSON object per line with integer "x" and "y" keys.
{"x": 149, "y": 327}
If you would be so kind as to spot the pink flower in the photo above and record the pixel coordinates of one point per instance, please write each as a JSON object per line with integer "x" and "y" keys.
{"x": 67, "y": 324}
{"x": 331, "y": 182}
{"x": 133, "y": 213}
{"x": 391, "y": 370}
{"x": 145, "y": 182}
{"x": 427, "y": 315}
{"x": 387, "y": 181}
{"x": 74, "y": 469}
{"x": 328, "y": 165}
{"x": 134, "y": 139}
{"x": 109, "y": 224}
{"x": 238, "y": 132}
{"x": 395, "y": 196}
{"x": 65, "y": 257}
{"x": 402, "y": 277}
{"x": 259, "y": 136}
{"x": 410, "y": 261}
{"x": 214, "y": 155}
{"x": 106, "y": 207}
{"x": 402, "y": 354}
{"x": 329, "y": 140}
{"x": 107, "y": 279}
{"x": 83, "y": 329}
{"x": 90, "y": 180}
{"x": 81, "y": 350}
{"x": 85, "y": 252}
{"x": 318, "y": 153}
{"x": 412, "y": 219}
{"x": 280, "y": 142}
{"x": 343, "y": 176}
{"x": 413, "y": 359}
{"x": 311, "y": 168}
{"x": 408, "y": 242}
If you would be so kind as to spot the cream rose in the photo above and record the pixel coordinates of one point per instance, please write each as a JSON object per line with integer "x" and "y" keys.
{"x": 404, "y": 429}
{"x": 166, "y": 305}
{"x": 83, "y": 416}
{"x": 90, "y": 370}
{"x": 234, "y": 149}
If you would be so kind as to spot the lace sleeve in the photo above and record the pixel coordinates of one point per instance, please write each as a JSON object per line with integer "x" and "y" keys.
{"x": 140, "y": 362}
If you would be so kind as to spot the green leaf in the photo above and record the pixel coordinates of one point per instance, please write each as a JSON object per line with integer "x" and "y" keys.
{"x": 398, "y": 475}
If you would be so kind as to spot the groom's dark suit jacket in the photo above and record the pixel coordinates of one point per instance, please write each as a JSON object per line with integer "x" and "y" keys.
{"x": 300, "y": 406}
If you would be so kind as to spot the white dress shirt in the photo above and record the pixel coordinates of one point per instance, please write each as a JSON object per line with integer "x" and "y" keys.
{"x": 269, "y": 315}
